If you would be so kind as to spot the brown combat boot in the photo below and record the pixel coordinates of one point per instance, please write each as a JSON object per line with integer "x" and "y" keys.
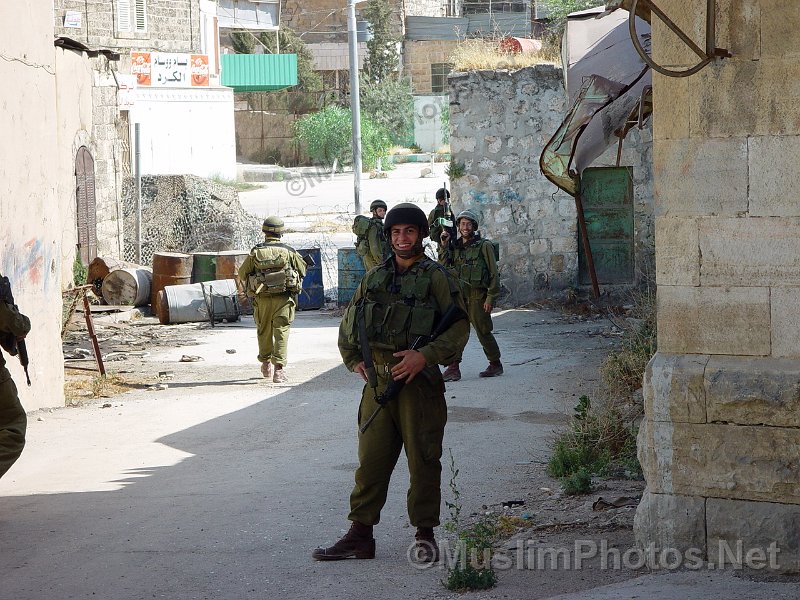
{"x": 494, "y": 369}
{"x": 426, "y": 550}
{"x": 452, "y": 372}
{"x": 356, "y": 543}
{"x": 266, "y": 369}
{"x": 280, "y": 375}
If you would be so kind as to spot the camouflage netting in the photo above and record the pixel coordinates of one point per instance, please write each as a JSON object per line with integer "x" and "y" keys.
{"x": 186, "y": 213}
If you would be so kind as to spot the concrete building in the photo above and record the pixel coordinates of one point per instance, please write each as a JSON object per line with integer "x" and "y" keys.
{"x": 719, "y": 444}
{"x": 165, "y": 79}
{"x": 46, "y": 120}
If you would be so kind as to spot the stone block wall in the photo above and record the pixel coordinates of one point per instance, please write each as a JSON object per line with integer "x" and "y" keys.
{"x": 418, "y": 56}
{"x": 720, "y": 436}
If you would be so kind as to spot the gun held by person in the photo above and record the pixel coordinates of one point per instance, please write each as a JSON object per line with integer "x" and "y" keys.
{"x": 8, "y": 341}
{"x": 450, "y": 316}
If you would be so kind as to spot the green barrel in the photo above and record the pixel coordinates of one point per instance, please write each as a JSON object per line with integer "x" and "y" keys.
{"x": 204, "y": 266}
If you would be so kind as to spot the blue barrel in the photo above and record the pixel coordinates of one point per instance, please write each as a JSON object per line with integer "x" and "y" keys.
{"x": 313, "y": 295}
{"x": 351, "y": 271}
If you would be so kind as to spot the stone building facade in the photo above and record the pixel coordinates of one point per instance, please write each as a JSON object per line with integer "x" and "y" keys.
{"x": 422, "y": 58}
{"x": 499, "y": 124}
{"x": 719, "y": 443}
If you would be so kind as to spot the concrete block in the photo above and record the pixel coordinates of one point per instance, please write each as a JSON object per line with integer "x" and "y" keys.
{"x": 700, "y": 177}
{"x": 760, "y": 251}
{"x": 744, "y": 527}
{"x": 668, "y": 49}
{"x": 677, "y": 251}
{"x": 740, "y": 27}
{"x": 671, "y": 120}
{"x": 785, "y": 303}
{"x": 674, "y": 388}
{"x": 780, "y": 21}
{"x": 716, "y": 320}
{"x": 774, "y": 177}
{"x": 753, "y": 391}
{"x": 670, "y": 521}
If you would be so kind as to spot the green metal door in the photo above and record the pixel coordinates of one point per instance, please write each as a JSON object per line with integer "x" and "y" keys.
{"x": 607, "y": 195}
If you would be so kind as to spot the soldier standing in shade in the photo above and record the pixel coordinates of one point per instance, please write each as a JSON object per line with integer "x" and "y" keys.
{"x": 373, "y": 246}
{"x": 14, "y": 326}
{"x": 273, "y": 275}
{"x": 471, "y": 260}
{"x": 442, "y": 212}
{"x": 399, "y": 300}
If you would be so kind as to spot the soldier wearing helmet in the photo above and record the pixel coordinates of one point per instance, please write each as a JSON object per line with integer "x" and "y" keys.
{"x": 441, "y": 217}
{"x": 273, "y": 276}
{"x": 471, "y": 259}
{"x": 401, "y": 299}
{"x": 371, "y": 243}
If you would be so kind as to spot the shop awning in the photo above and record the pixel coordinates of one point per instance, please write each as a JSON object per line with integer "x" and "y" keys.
{"x": 259, "y": 72}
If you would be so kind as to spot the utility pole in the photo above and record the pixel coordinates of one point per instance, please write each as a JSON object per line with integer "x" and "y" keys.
{"x": 355, "y": 103}
{"x": 137, "y": 173}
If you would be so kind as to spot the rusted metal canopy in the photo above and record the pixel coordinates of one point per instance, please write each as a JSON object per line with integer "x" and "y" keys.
{"x": 606, "y": 80}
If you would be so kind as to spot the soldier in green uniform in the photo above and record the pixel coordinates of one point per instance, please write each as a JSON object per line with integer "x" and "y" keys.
{"x": 13, "y": 422}
{"x": 273, "y": 275}
{"x": 442, "y": 212}
{"x": 471, "y": 260}
{"x": 372, "y": 246}
{"x": 401, "y": 299}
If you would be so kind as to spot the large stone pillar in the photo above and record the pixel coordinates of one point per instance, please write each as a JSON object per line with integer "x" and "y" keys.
{"x": 720, "y": 444}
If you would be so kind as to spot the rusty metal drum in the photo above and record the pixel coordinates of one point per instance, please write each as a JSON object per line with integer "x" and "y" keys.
{"x": 169, "y": 268}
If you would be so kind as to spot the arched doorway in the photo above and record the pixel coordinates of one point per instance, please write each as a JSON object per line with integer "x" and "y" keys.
{"x": 87, "y": 205}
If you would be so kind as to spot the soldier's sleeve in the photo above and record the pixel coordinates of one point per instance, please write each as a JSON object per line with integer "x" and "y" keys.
{"x": 245, "y": 269}
{"x": 298, "y": 264}
{"x": 12, "y": 321}
{"x": 375, "y": 247}
{"x": 447, "y": 348}
{"x": 494, "y": 277}
{"x": 348, "y": 348}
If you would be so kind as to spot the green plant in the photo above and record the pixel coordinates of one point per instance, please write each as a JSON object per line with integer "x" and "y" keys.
{"x": 389, "y": 103}
{"x": 375, "y": 143}
{"x": 382, "y": 58}
{"x": 79, "y": 271}
{"x": 445, "y": 123}
{"x": 455, "y": 169}
{"x": 473, "y": 570}
{"x": 579, "y": 482}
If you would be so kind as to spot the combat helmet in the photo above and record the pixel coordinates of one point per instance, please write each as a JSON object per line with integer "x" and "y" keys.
{"x": 273, "y": 226}
{"x": 442, "y": 194}
{"x": 468, "y": 214}
{"x": 407, "y": 213}
{"x": 376, "y": 204}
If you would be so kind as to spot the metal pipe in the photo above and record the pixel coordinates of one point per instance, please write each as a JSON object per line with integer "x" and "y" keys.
{"x": 711, "y": 27}
{"x": 355, "y": 104}
{"x": 137, "y": 173}
{"x": 87, "y": 314}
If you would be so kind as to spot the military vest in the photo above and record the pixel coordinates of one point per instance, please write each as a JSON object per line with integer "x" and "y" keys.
{"x": 469, "y": 265}
{"x": 396, "y": 309}
{"x": 272, "y": 273}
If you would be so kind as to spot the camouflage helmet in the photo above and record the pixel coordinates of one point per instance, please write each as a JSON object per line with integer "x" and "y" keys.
{"x": 468, "y": 214}
{"x": 376, "y": 204}
{"x": 407, "y": 213}
{"x": 273, "y": 226}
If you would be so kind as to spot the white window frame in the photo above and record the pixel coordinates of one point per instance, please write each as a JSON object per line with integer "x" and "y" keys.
{"x": 132, "y": 16}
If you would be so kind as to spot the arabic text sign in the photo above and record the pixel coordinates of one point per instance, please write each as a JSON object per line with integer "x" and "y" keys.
{"x": 163, "y": 69}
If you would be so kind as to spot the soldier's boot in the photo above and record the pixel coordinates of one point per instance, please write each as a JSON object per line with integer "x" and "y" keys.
{"x": 356, "y": 543}
{"x": 266, "y": 369}
{"x": 452, "y": 372}
{"x": 280, "y": 375}
{"x": 426, "y": 550}
{"x": 494, "y": 369}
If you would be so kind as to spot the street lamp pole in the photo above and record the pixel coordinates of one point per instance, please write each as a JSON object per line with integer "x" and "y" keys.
{"x": 355, "y": 104}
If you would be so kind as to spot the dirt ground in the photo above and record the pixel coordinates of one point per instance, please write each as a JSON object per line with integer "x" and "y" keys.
{"x": 541, "y": 516}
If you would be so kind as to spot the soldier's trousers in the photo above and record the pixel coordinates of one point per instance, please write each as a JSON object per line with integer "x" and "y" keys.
{"x": 273, "y": 316}
{"x": 482, "y": 322}
{"x": 13, "y": 422}
{"x": 413, "y": 421}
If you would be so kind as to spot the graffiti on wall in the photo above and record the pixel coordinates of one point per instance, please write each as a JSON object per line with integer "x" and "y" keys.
{"x": 29, "y": 264}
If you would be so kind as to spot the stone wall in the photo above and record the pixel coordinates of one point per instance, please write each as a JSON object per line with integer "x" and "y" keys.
{"x": 719, "y": 442}
{"x": 418, "y": 56}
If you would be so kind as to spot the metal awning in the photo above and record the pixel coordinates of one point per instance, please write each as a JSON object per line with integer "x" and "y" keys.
{"x": 608, "y": 86}
{"x": 258, "y": 72}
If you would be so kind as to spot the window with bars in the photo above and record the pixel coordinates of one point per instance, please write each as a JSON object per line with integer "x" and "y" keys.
{"x": 132, "y": 16}
{"x": 439, "y": 73}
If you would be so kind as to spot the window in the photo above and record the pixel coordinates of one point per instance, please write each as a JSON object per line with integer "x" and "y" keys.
{"x": 132, "y": 16}
{"x": 439, "y": 72}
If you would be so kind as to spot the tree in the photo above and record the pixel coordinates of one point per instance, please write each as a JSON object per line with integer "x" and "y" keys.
{"x": 308, "y": 80}
{"x": 382, "y": 55}
{"x": 390, "y": 104}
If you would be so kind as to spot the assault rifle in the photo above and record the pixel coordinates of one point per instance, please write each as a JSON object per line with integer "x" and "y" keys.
{"x": 447, "y": 221}
{"x": 9, "y": 341}
{"x": 450, "y": 316}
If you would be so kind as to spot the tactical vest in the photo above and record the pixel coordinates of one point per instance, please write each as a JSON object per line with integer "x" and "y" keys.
{"x": 395, "y": 314}
{"x": 273, "y": 273}
{"x": 470, "y": 266}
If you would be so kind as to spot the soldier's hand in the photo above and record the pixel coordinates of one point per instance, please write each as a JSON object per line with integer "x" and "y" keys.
{"x": 487, "y": 307}
{"x": 413, "y": 362}
{"x": 359, "y": 368}
{"x": 444, "y": 237}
